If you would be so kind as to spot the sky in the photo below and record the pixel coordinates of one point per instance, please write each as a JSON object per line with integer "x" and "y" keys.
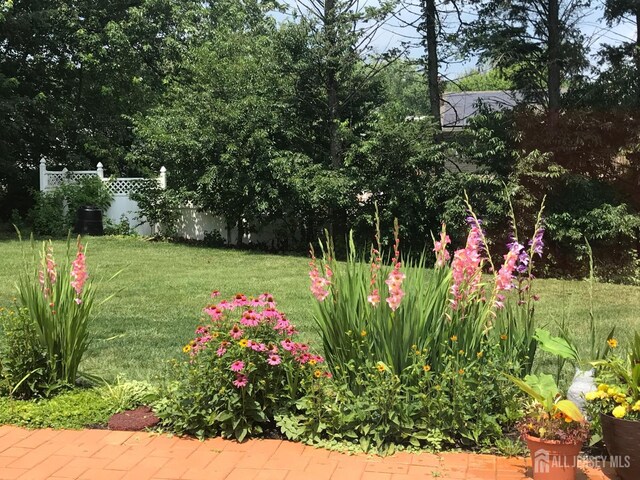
{"x": 395, "y": 31}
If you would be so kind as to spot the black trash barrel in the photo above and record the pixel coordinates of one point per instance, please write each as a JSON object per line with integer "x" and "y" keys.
{"x": 89, "y": 221}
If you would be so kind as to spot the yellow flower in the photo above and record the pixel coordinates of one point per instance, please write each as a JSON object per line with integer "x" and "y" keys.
{"x": 312, "y": 361}
{"x": 317, "y": 374}
{"x": 427, "y": 368}
{"x": 591, "y": 396}
{"x": 503, "y": 336}
{"x": 636, "y": 406}
{"x": 603, "y": 387}
{"x": 363, "y": 333}
{"x": 461, "y": 371}
{"x": 611, "y": 392}
{"x": 243, "y": 342}
{"x": 186, "y": 348}
{"x": 613, "y": 343}
{"x": 215, "y": 334}
{"x": 454, "y": 338}
{"x": 417, "y": 352}
{"x": 381, "y": 367}
{"x": 619, "y": 399}
{"x": 542, "y": 431}
{"x": 619, "y": 412}
{"x": 461, "y": 352}
{"x": 479, "y": 354}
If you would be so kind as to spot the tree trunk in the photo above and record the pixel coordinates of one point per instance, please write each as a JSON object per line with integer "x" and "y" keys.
{"x": 240, "y": 232}
{"x": 430, "y": 42}
{"x": 333, "y": 116}
{"x": 636, "y": 55}
{"x": 553, "y": 67}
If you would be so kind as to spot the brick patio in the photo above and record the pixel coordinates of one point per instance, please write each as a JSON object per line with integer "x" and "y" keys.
{"x": 103, "y": 454}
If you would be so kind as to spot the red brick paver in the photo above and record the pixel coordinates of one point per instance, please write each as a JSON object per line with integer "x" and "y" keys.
{"x": 103, "y": 454}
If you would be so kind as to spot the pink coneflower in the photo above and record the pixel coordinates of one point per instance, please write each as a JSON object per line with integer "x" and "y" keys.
{"x": 251, "y": 318}
{"x": 215, "y": 312}
{"x": 221, "y": 351}
{"x": 256, "y": 346}
{"x": 215, "y": 293}
{"x": 236, "y": 333}
{"x": 287, "y": 344}
{"x": 274, "y": 359}
{"x": 240, "y": 381}
{"x": 240, "y": 300}
{"x": 237, "y": 366}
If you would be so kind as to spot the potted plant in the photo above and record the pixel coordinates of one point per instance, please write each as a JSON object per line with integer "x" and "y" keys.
{"x": 617, "y": 402}
{"x": 553, "y": 428}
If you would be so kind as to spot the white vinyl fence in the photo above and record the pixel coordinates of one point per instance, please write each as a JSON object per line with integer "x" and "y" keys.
{"x": 193, "y": 223}
{"x": 122, "y": 206}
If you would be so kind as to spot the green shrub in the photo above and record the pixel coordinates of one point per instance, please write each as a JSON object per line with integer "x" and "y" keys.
{"x": 158, "y": 206}
{"x": 48, "y": 217}
{"x": 54, "y": 213}
{"x": 23, "y": 365}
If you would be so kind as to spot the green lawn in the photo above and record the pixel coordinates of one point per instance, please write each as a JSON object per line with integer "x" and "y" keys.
{"x": 163, "y": 288}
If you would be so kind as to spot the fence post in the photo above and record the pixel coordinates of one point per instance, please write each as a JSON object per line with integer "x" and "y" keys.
{"x": 43, "y": 175}
{"x": 100, "y": 170}
{"x": 163, "y": 178}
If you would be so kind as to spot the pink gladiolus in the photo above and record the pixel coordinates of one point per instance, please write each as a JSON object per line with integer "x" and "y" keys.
{"x": 374, "y": 298}
{"x": 51, "y": 264}
{"x": 467, "y": 267}
{"x": 504, "y": 279}
{"x": 319, "y": 284}
{"x": 237, "y": 366}
{"x": 394, "y": 281}
{"x": 395, "y": 278}
{"x": 440, "y": 247}
{"x": 79, "y": 271}
{"x": 240, "y": 381}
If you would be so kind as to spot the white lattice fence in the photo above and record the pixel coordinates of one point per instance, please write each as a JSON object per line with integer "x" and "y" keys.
{"x": 122, "y": 206}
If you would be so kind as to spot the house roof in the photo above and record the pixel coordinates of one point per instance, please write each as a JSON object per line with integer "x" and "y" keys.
{"x": 457, "y": 108}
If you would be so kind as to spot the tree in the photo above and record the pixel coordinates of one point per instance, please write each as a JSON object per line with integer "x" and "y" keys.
{"x": 624, "y": 59}
{"x": 537, "y": 44}
{"x": 219, "y": 126}
{"x": 341, "y": 33}
{"x": 72, "y": 73}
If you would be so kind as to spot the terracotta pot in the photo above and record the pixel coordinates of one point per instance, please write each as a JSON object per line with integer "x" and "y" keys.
{"x": 553, "y": 460}
{"x": 622, "y": 438}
